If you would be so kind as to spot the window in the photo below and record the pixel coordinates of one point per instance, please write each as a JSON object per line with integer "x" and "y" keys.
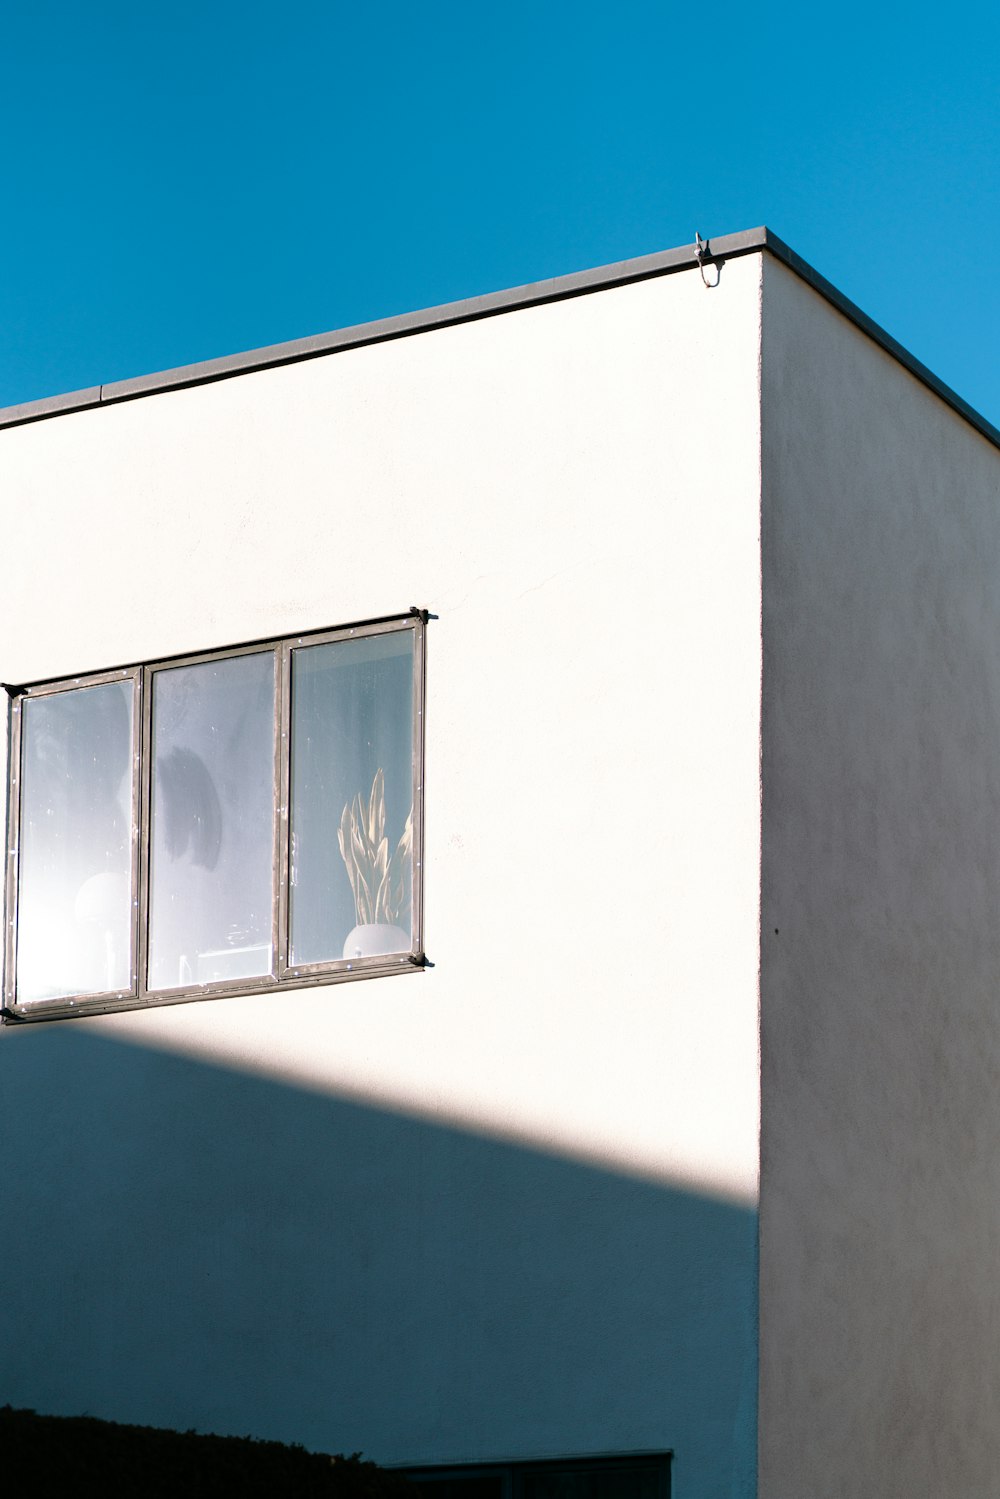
{"x": 640, "y": 1477}
{"x": 239, "y": 820}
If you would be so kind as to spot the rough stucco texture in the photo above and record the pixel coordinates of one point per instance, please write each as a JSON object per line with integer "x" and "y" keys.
{"x": 880, "y": 1187}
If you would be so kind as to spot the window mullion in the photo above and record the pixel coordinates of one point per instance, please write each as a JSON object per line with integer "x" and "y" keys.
{"x": 145, "y": 782}
{"x": 280, "y": 824}
{"x": 284, "y": 861}
{"x": 137, "y": 740}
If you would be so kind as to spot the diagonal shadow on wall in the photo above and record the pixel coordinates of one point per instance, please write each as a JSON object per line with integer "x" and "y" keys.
{"x": 191, "y": 1246}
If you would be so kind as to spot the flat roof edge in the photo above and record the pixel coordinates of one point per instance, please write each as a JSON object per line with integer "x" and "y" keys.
{"x": 579, "y": 283}
{"x": 33, "y": 411}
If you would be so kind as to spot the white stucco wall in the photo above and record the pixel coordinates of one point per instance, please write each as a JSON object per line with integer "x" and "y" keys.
{"x": 504, "y": 1208}
{"x": 880, "y": 1186}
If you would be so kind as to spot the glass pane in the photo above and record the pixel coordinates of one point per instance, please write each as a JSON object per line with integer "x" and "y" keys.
{"x": 75, "y": 866}
{"x": 212, "y": 836}
{"x": 352, "y": 798}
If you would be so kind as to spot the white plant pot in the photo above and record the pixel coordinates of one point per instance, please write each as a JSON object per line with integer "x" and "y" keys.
{"x": 374, "y": 939}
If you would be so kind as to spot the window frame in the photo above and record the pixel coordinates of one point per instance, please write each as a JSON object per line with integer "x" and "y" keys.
{"x": 283, "y": 975}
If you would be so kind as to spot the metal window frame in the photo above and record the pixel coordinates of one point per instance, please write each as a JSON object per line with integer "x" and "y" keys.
{"x": 282, "y": 976}
{"x": 177, "y": 992}
{"x": 360, "y": 966}
{"x": 105, "y": 999}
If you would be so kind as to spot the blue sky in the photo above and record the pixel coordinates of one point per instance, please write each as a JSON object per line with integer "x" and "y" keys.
{"x": 187, "y": 180}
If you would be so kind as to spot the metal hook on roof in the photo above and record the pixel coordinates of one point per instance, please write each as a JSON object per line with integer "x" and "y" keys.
{"x": 703, "y": 255}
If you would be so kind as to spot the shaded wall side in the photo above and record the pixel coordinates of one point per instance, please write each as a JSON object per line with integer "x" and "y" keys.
{"x": 574, "y": 490}
{"x": 880, "y": 1172}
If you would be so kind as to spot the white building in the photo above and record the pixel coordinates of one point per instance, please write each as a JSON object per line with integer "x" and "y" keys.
{"x": 683, "y": 1154}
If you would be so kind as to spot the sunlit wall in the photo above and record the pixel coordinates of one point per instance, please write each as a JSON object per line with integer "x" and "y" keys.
{"x": 519, "y": 1188}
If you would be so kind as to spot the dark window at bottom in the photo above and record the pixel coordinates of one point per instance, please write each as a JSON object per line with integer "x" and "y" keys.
{"x": 646, "y": 1477}
{"x": 465, "y": 1486}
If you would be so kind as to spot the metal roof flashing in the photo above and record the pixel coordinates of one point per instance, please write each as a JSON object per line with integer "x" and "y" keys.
{"x": 580, "y": 283}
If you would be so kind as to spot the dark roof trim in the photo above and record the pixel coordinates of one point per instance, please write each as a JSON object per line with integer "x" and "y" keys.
{"x": 729, "y": 247}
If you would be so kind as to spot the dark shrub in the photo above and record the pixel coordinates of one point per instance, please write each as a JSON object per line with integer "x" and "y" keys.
{"x": 77, "y": 1457}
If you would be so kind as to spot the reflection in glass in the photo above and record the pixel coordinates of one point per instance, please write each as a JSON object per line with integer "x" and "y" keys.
{"x": 212, "y": 835}
{"x": 352, "y": 798}
{"x": 75, "y": 865}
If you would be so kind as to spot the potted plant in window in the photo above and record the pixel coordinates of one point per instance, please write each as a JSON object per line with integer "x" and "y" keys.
{"x": 381, "y": 885}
